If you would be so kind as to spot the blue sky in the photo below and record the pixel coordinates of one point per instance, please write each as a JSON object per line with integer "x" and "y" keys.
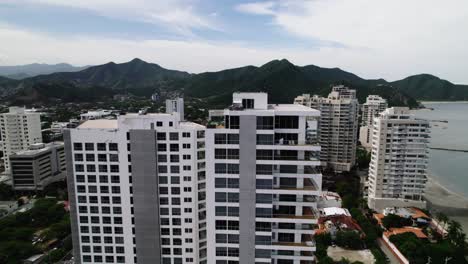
{"x": 372, "y": 38}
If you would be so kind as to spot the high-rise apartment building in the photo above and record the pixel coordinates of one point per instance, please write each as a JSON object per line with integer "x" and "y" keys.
{"x": 338, "y": 126}
{"x": 19, "y": 129}
{"x": 137, "y": 190}
{"x": 34, "y": 168}
{"x": 398, "y": 167}
{"x": 373, "y": 106}
{"x": 262, "y": 182}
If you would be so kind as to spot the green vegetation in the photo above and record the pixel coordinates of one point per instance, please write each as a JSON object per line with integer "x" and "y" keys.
{"x": 395, "y": 221}
{"x": 418, "y": 251}
{"x": 6, "y": 192}
{"x": 281, "y": 79}
{"x": 363, "y": 158}
{"x": 349, "y": 240}
{"x": 47, "y": 220}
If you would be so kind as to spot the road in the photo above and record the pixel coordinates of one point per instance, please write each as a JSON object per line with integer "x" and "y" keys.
{"x": 393, "y": 259}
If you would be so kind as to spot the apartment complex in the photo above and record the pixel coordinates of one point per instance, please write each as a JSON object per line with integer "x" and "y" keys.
{"x": 338, "y": 126}
{"x": 137, "y": 189}
{"x": 19, "y": 129}
{"x": 398, "y": 168}
{"x": 373, "y": 106}
{"x": 41, "y": 164}
{"x": 263, "y": 183}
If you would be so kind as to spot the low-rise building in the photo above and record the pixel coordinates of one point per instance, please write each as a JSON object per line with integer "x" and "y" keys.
{"x": 38, "y": 166}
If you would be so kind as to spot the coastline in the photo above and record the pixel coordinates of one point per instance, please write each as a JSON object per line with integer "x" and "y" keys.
{"x": 440, "y": 198}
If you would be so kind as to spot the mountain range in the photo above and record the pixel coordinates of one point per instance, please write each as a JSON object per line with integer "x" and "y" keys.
{"x": 281, "y": 79}
{"x": 30, "y": 70}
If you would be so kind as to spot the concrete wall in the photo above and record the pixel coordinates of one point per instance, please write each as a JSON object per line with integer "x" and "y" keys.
{"x": 146, "y": 195}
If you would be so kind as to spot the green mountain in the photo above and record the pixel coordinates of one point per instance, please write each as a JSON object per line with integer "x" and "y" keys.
{"x": 281, "y": 79}
{"x": 429, "y": 87}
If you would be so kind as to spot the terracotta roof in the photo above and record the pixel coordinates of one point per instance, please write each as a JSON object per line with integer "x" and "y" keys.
{"x": 396, "y": 231}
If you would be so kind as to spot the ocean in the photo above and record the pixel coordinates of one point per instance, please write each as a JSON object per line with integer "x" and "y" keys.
{"x": 449, "y": 168}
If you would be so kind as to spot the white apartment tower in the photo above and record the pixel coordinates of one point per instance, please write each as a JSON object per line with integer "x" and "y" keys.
{"x": 137, "y": 190}
{"x": 19, "y": 130}
{"x": 338, "y": 126}
{"x": 262, "y": 182}
{"x": 373, "y": 106}
{"x": 398, "y": 167}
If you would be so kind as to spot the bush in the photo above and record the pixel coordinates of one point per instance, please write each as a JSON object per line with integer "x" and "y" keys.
{"x": 348, "y": 239}
{"x": 392, "y": 221}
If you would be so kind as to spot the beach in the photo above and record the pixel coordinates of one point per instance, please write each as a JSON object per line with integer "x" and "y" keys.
{"x": 441, "y": 199}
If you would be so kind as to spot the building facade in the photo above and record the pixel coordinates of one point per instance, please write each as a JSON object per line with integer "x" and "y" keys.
{"x": 137, "y": 190}
{"x": 19, "y": 129}
{"x": 41, "y": 164}
{"x": 338, "y": 126}
{"x": 373, "y": 106}
{"x": 263, "y": 183}
{"x": 398, "y": 167}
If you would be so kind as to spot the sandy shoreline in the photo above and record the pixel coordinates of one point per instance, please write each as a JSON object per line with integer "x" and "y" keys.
{"x": 441, "y": 199}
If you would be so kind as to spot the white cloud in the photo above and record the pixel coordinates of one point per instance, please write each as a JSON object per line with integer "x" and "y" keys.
{"x": 179, "y": 15}
{"x": 398, "y": 35}
{"x": 257, "y": 8}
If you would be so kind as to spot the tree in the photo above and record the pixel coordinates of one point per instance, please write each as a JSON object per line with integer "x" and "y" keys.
{"x": 442, "y": 218}
{"x": 348, "y": 239}
{"x": 392, "y": 220}
{"x": 6, "y": 192}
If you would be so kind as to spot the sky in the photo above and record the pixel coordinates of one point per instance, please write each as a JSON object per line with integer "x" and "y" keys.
{"x": 389, "y": 39}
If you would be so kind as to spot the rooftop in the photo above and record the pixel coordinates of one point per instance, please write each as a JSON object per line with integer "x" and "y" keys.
{"x": 99, "y": 123}
{"x": 396, "y": 231}
{"x": 37, "y": 149}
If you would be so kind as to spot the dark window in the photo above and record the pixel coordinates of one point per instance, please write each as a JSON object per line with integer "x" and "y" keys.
{"x": 264, "y": 122}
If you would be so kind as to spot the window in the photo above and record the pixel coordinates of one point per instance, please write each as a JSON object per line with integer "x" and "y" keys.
{"x": 186, "y": 134}
{"x": 101, "y": 147}
{"x": 248, "y": 103}
{"x": 113, "y": 147}
{"x": 287, "y": 122}
{"x": 115, "y": 179}
{"x": 173, "y": 136}
{"x": 77, "y": 146}
{"x": 264, "y": 122}
{"x": 78, "y": 157}
{"x": 175, "y": 169}
{"x": 174, "y": 158}
{"x": 103, "y": 179}
{"x": 113, "y": 157}
{"x": 90, "y": 168}
{"x": 161, "y": 136}
{"x": 186, "y": 157}
{"x": 102, "y": 168}
{"x": 174, "y": 147}
{"x": 89, "y": 146}
{"x": 102, "y": 157}
{"x": 89, "y": 157}
{"x": 159, "y": 124}
{"x": 162, "y": 147}
{"x": 79, "y": 167}
{"x": 162, "y": 158}
{"x": 114, "y": 168}
{"x": 232, "y": 122}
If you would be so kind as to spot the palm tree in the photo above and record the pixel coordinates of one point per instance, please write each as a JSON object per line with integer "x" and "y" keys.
{"x": 455, "y": 234}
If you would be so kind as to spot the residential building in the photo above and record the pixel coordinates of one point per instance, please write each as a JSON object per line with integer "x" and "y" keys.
{"x": 41, "y": 164}
{"x": 373, "y": 106}
{"x": 20, "y": 128}
{"x": 137, "y": 190}
{"x": 398, "y": 167}
{"x": 263, "y": 183}
{"x": 338, "y": 126}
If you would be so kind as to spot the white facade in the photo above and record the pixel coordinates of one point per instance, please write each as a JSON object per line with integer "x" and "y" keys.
{"x": 373, "y": 106}
{"x": 113, "y": 178}
{"x": 263, "y": 183}
{"x": 398, "y": 167}
{"x": 338, "y": 126}
{"x": 19, "y": 129}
